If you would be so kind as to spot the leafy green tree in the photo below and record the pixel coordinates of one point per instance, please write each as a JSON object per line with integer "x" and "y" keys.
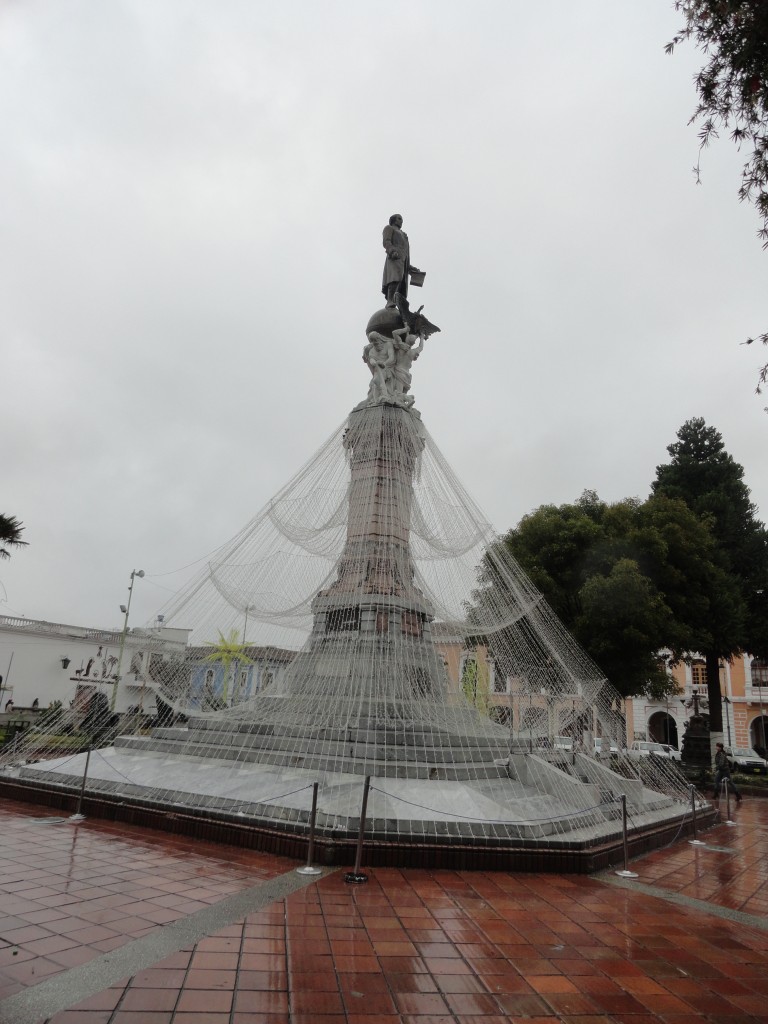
{"x": 551, "y": 545}
{"x": 732, "y": 92}
{"x": 626, "y": 579}
{"x": 622, "y": 620}
{"x": 703, "y": 475}
{"x": 10, "y": 533}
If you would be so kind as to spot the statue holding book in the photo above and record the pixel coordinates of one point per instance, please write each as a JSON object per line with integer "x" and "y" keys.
{"x": 397, "y": 266}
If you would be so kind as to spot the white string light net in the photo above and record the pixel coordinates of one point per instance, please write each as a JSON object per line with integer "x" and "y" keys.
{"x": 368, "y": 622}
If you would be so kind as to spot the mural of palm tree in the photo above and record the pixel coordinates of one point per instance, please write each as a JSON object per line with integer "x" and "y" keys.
{"x": 231, "y": 653}
{"x": 10, "y": 534}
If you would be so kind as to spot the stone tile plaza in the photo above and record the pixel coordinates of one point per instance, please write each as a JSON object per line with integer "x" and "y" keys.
{"x": 107, "y": 923}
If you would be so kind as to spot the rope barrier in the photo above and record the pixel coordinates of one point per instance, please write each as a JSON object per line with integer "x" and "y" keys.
{"x": 282, "y": 796}
{"x": 636, "y": 826}
{"x": 493, "y": 821}
{"x": 262, "y": 800}
{"x": 114, "y": 769}
{"x": 70, "y": 758}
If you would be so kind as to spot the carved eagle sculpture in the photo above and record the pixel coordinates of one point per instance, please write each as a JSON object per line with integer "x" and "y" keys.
{"x": 416, "y": 322}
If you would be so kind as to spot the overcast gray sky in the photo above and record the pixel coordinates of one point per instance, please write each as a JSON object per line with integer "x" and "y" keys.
{"x": 190, "y": 248}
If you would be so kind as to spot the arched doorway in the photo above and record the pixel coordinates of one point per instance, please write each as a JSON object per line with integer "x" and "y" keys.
{"x": 758, "y": 734}
{"x": 662, "y": 728}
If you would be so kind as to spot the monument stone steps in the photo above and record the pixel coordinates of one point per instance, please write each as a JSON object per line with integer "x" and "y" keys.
{"x": 380, "y": 744}
{"x": 519, "y": 818}
{"x": 410, "y": 767}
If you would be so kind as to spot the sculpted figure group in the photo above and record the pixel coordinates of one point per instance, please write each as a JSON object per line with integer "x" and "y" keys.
{"x": 390, "y": 355}
{"x": 390, "y": 360}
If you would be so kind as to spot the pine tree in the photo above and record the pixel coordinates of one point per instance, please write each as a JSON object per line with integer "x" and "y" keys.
{"x": 706, "y": 477}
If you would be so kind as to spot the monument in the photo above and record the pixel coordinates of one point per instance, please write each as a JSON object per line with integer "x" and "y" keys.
{"x": 696, "y": 749}
{"x": 424, "y": 661}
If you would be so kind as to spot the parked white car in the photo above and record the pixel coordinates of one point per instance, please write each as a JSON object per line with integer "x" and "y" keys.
{"x": 644, "y": 748}
{"x": 747, "y": 760}
{"x": 604, "y": 748}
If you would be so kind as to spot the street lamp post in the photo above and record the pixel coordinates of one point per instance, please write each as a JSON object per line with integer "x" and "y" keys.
{"x": 760, "y": 689}
{"x": 755, "y": 734}
{"x": 666, "y": 720}
{"x": 126, "y": 609}
{"x": 727, "y": 702}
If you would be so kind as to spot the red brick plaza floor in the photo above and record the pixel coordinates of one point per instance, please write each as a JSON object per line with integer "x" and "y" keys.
{"x": 687, "y": 941}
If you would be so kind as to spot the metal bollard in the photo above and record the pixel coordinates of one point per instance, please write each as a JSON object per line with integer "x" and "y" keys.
{"x": 695, "y": 841}
{"x": 625, "y": 872}
{"x": 728, "y": 820}
{"x": 308, "y": 869}
{"x": 356, "y": 876}
{"x": 78, "y": 815}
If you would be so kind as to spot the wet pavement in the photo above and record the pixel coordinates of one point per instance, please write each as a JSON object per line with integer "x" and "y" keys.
{"x": 106, "y": 923}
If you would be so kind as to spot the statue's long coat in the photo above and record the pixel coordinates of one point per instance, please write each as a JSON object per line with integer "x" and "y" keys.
{"x": 396, "y": 270}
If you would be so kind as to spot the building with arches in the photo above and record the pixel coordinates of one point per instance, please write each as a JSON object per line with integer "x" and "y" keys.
{"x": 744, "y": 694}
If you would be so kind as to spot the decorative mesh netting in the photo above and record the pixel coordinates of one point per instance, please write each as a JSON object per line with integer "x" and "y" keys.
{"x": 368, "y": 621}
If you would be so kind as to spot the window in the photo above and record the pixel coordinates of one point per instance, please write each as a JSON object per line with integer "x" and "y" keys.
{"x": 698, "y": 673}
{"x": 499, "y": 713}
{"x": 209, "y": 689}
{"x": 421, "y": 684}
{"x": 535, "y": 719}
{"x": 343, "y": 620}
{"x": 242, "y": 686}
{"x": 759, "y": 668}
{"x": 411, "y": 623}
{"x": 382, "y": 622}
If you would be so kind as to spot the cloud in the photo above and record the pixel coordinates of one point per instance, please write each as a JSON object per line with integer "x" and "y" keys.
{"x": 192, "y": 248}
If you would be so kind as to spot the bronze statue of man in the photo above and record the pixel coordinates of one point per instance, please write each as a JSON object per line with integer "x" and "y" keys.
{"x": 397, "y": 265}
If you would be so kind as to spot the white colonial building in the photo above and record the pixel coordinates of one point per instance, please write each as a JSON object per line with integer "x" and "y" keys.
{"x": 42, "y": 662}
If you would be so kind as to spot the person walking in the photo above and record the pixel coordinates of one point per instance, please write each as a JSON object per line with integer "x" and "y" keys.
{"x": 723, "y": 771}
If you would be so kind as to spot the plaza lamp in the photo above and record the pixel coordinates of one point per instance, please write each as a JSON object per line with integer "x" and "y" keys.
{"x": 760, "y": 688}
{"x": 727, "y": 702}
{"x": 126, "y": 609}
{"x": 762, "y": 713}
{"x": 725, "y": 686}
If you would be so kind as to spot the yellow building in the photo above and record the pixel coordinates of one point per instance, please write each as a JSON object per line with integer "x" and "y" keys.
{"x": 743, "y": 688}
{"x": 744, "y": 695}
{"x": 509, "y": 700}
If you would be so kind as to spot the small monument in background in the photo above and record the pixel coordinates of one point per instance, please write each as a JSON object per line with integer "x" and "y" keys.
{"x": 695, "y": 749}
